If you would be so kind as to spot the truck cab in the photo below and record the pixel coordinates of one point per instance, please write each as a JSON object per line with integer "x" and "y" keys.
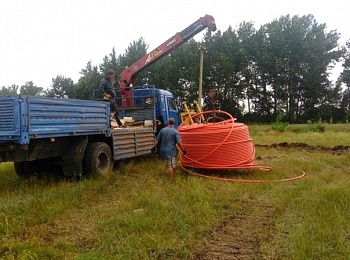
{"x": 165, "y": 106}
{"x": 147, "y": 96}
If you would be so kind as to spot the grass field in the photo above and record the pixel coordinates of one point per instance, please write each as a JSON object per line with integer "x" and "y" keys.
{"x": 139, "y": 213}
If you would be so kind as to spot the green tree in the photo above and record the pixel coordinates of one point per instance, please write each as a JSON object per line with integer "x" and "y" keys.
{"x": 87, "y": 83}
{"x": 135, "y": 51}
{"x": 280, "y": 68}
{"x": 345, "y": 75}
{"x": 299, "y": 52}
{"x": 344, "y": 78}
{"x": 178, "y": 72}
{"x": 61, "y": 87}
{"x": 30, "y": 89}
{"x": 223, "y": 69}
{"x": 11, "y": 90}
{"x": 111, "y": 62}
{"x": 255, "y": 72}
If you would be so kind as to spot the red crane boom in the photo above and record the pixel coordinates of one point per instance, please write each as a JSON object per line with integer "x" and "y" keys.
{"x": 129, "y": 74}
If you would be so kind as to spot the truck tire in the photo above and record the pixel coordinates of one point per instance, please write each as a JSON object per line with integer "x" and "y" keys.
{"x": 24, "y": 169}
{"x": 97, "y": 159}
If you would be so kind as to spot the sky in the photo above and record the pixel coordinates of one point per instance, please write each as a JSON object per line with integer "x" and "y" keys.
{"x": 41, "y": 39}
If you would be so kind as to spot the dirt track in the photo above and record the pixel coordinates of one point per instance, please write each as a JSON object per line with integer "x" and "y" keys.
{"x": 338, "y": 149}
{"x": 240, "y": 235}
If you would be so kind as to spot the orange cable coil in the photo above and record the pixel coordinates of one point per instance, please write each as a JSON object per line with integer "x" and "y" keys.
{"x": 221, "y": 145}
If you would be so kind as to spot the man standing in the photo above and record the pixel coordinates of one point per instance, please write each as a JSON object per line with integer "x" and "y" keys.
{"x": 168, "y": 137}
{"x": 106, "y": 85}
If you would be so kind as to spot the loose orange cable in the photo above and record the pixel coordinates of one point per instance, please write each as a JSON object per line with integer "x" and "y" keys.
{"x": 244, "y": 180}
{"x": 221, "y": 146}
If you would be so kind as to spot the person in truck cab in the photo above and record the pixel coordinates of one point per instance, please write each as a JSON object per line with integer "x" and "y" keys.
{"x": 106, "y": 85}
{"x": 168, "y": 137}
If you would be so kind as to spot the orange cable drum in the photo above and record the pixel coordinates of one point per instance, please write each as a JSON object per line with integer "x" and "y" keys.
{"x": 221, "y": 146}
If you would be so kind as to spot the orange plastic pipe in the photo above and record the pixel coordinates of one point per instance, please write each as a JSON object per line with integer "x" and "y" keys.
{"x": 220, "y": 146}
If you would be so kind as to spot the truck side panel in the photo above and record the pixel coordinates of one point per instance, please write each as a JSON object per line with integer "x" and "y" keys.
{"x": 63, "y": 117}
{"x": 9, "y": 114}
{"x": 132, "y": 142}
{"x": 29, "y": 117}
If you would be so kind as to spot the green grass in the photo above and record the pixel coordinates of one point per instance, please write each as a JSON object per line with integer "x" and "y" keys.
{"x": 135, "y": 213}
{"x": 333, "y": 135}
{"x": 139, "y": 213}
{"x": 311, "y": 214}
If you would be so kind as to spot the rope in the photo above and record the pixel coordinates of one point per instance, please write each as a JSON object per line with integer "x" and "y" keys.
{"x": 224, "y": 145}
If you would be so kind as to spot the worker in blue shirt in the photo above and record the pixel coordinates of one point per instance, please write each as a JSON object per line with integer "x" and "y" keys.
{"x": 168, "y": 137}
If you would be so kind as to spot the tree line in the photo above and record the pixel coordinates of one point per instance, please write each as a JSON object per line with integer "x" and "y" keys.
{"x": 280, "y": 69}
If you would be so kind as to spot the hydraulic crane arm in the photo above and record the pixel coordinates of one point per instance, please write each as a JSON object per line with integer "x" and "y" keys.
{"x": 128, "y": 75}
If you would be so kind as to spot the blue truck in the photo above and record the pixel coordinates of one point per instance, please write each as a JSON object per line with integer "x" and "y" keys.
{"x": 76, "y": 137}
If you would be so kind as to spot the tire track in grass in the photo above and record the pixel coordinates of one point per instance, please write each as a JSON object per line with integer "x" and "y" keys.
{"x": 241, "y": 235}
{"x": 338, "y": 149}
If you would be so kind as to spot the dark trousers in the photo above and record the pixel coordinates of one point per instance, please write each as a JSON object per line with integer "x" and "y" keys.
{"x": 114, "y": 109}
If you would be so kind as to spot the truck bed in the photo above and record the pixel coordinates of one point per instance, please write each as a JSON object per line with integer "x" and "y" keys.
{"x": 26, "y": 117}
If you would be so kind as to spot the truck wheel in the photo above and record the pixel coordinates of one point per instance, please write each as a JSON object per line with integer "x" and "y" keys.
{"x": 97, "y": 159}
{"x": 24, "y": 169}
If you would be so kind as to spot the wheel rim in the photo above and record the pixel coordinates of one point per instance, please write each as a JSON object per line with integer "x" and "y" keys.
{"x": 102, "y": 163}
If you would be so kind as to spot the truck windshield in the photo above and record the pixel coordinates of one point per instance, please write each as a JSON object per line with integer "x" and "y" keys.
{"x": 171, "y": 104}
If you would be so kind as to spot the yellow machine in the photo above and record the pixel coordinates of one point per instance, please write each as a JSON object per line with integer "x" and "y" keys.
{"x": 189, "y": 113}
{"x": 213, "y": 96}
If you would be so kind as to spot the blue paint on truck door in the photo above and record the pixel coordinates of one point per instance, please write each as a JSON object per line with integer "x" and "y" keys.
{"x": 164, "y": 109}
{"x": 172, "y": 110}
